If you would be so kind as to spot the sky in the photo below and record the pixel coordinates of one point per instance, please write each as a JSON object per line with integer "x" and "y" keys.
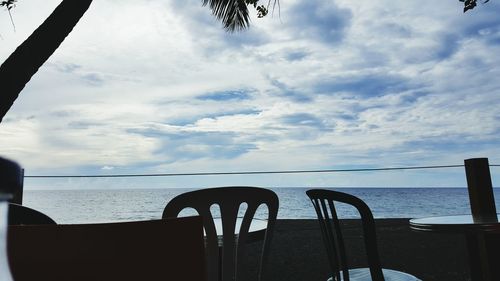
{"x": 158, "y": 86}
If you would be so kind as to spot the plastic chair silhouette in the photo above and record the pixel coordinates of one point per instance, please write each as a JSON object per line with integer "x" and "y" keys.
{"x": 222, "y": 263}
{"x": 324, "y": 204}
{"x": 22, "y": 215}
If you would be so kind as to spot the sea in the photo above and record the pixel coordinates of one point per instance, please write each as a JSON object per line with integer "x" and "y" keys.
{"x": 114, "y": 205}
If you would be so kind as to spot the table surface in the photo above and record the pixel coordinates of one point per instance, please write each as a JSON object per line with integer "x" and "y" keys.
{"x": 455, "y": 223}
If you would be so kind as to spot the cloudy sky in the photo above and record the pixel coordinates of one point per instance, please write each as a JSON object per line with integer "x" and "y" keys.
{"x": 158, "y": 86}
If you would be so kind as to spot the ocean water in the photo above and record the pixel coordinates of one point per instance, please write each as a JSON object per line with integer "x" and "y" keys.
{"x": 92, "y": 206}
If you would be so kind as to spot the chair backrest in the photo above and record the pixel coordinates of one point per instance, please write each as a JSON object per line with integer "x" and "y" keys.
{"x": 324, "y": 204}
{"x": 22, "y": 215}
{"x": 229, "y": 200}
{"x": 143, "y": 250}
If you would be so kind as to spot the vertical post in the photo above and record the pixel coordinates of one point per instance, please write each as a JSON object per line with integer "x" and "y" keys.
{"x": 11, "y": 180}
{"x": 482, "y": 201}
{"x": 483, "y": 247}
{"x": 18, "y": 194}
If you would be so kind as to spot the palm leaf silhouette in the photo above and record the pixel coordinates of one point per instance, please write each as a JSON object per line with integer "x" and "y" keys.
{"x": 233, "y": 13}
{"x": 9, "y": 4}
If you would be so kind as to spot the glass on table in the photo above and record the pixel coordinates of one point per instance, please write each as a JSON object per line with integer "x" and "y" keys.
{"x": 4, "y": 262}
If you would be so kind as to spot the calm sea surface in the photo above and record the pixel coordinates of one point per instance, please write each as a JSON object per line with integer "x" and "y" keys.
{"x": 87, "y": 206}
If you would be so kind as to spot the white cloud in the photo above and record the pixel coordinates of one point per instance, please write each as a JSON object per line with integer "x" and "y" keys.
{"x": 159, "y": 86}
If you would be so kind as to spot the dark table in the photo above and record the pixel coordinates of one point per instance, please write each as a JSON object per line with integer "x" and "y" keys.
{"x": 482, "y": 238}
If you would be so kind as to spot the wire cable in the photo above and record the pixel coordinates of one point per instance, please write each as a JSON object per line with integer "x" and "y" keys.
{"x": 247, "y": 172}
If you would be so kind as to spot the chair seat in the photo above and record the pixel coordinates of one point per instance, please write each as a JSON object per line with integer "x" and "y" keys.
{"x": 362, "y": 274}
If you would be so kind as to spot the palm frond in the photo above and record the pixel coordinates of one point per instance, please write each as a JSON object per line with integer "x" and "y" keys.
{"x": 471, "y": 4}
{"x": 233, "y": 13}
{"x": 9, "y": 4}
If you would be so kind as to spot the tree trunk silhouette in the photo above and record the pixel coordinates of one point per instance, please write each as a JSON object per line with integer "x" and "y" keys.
{"x": 25, "y": 61}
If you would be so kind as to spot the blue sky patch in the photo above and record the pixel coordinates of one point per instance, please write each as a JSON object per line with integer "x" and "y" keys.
{"x": 305, "y": 120}
{"x": 93, "y": 79}
{"x": 296, "y": 55}
{"x": 364, "y": 86}
{"x": 68, "y": 67}
{"x": 449, "y": 46}
{"x": 286, "y": 91}
{"x": 195, "y": 145}
{"x": 323, "y": 21}
{"x": 184, "y": 121}
{"x": 227, "y": 95}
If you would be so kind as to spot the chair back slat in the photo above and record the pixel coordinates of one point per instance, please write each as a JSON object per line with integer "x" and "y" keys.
{"x": 328, "y": 221}
{"x": 244, "y": 229}
{"x": 328, "y": 230}
{"x": 331, "y": 231}
{"x": 229, "y": 215}
{"x": 271, "y": 222}
{"x": 211, "y": 246}
{"x": 229, "y": 200}
{"x": 340, "y": 241}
